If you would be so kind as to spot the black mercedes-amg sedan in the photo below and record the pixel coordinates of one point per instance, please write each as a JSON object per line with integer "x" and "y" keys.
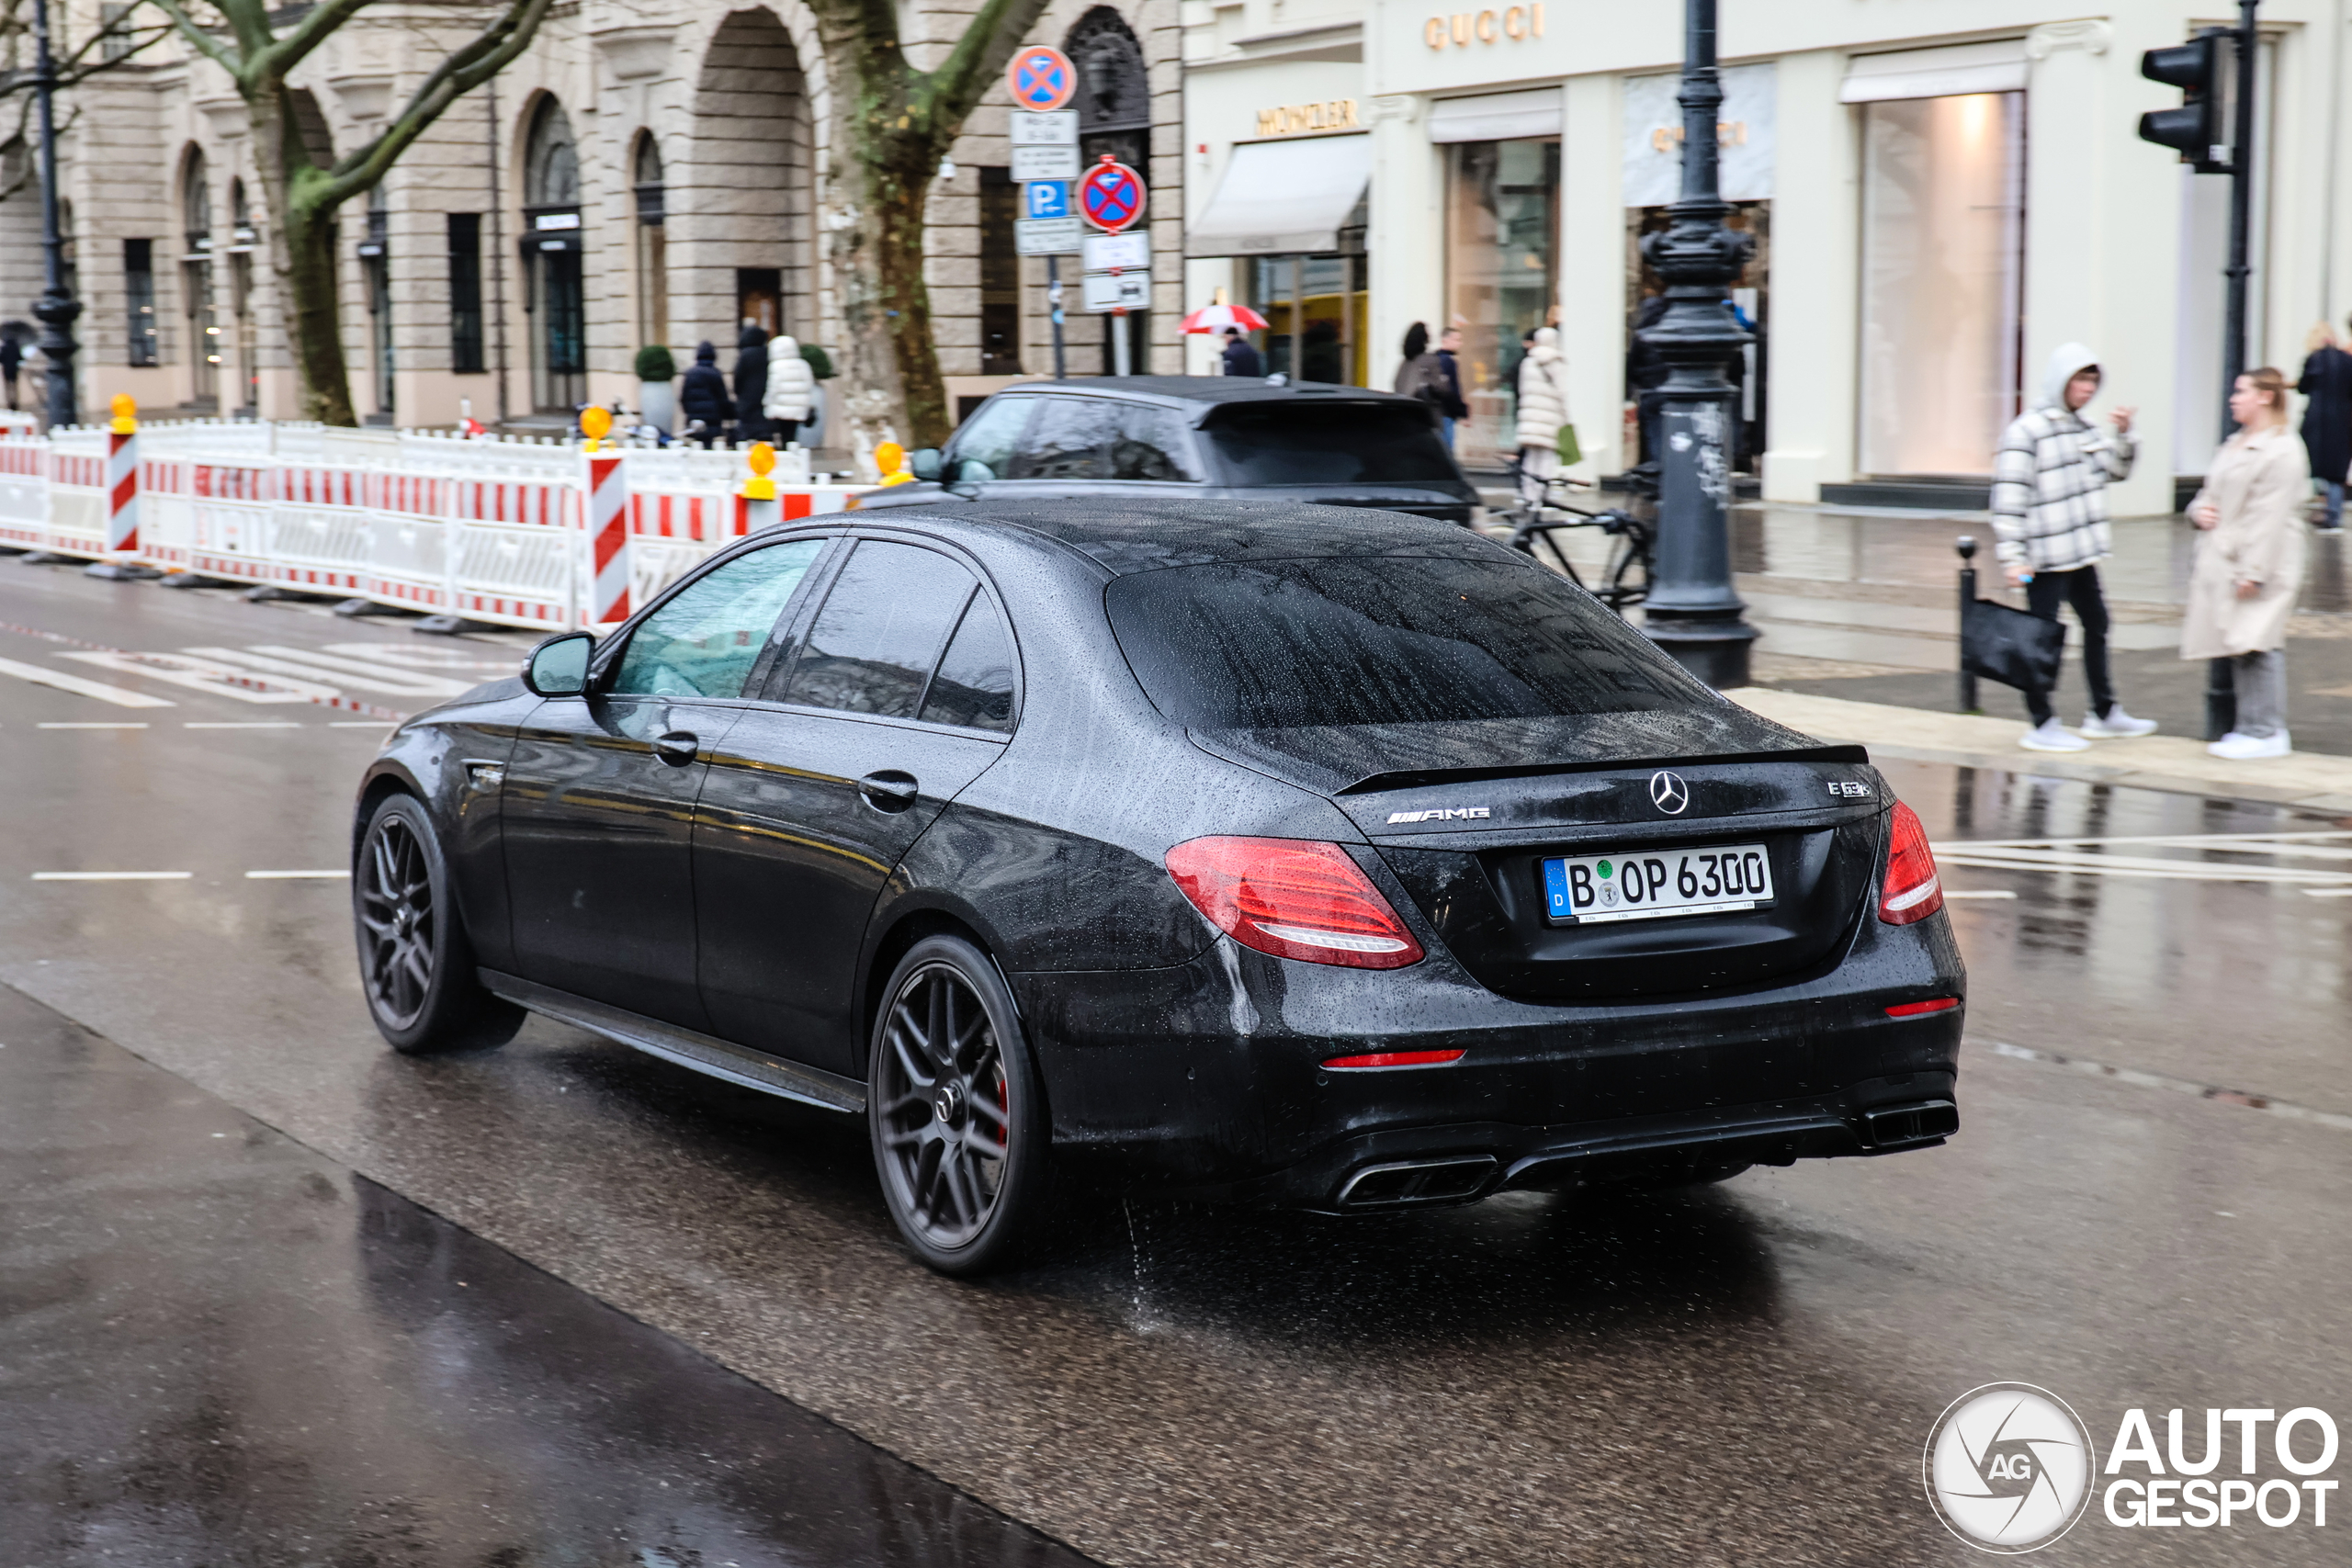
{"x": 1293, "y": 854}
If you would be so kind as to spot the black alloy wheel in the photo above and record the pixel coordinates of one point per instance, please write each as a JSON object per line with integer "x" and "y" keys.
{"x": 956, "y": 1117}
{"x": 414, "y": 962}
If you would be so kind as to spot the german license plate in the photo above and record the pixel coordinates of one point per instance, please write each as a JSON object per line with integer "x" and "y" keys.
{"x": 1589, "y": 890}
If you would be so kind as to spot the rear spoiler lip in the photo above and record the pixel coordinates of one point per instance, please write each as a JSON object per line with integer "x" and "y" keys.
{"x": 1426, "y": 777}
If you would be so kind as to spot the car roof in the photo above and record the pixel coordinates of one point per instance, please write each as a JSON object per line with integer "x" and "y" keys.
{"x": 1198, "y": 394}
{"x": 1123, "y": 536}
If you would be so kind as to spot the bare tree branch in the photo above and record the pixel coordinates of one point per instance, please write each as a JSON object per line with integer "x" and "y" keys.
{"x": 465, "y": 69}
{"x": 186, "y": 26}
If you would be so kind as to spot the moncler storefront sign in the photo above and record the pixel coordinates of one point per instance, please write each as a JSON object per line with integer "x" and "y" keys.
{"x": 1513, "y": 24}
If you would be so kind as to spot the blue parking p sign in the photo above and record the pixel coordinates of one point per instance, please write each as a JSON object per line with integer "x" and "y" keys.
{"x": 1044, "y": 198}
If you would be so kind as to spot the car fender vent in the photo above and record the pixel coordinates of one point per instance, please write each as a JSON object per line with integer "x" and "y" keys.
{"x": 1411, "y": 1183}
{"x": 1899, "y": 1126}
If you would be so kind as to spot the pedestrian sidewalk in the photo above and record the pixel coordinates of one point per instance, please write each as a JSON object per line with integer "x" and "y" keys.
{"x": 2175, "y": 762}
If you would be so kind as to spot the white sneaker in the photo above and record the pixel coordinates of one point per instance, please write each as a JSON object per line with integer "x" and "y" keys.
{"x": 2117, "y": 725}
{"x": 2053, "y": 737}
{"x": 2239, "y": 747}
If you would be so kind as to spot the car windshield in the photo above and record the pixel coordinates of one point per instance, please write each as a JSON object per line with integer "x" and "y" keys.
{"x": 1285, "y": 644}
{"x": 1294, "y": 442}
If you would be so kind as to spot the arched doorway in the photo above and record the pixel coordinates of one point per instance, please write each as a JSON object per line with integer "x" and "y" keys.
{"x": 1114, "y": 106}
{"x": 553, "y": 292}
{"x": 242, "y": 235}
{"x": 195, "y": 277}
{"x": 740, "y": 239}
{"x": 653, "y": 193}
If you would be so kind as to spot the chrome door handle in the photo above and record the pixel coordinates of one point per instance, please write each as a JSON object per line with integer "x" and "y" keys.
{"x": 889, "y": 790}
{"x": 679, "y": 748}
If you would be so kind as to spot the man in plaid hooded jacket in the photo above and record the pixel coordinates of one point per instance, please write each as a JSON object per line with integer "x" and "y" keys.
{"x": 2050, "y": 479}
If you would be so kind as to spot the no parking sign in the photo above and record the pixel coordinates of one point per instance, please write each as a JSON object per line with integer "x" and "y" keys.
{"x": 1041, "y": 77}
{"x": 1110, "y": 196}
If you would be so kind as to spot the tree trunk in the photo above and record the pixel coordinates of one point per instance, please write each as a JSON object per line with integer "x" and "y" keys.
{"x": 302, "y": 251}
{"x": 872, "y": 224}
{"x": 312, "y": 298}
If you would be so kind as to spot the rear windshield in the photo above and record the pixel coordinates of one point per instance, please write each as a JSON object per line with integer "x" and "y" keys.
{"x": 1416, "y": 640}
{"x": 1294, "y": 442}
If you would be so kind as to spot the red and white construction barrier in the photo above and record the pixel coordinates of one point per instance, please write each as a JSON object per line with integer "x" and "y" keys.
{"x": 539, "y": 534}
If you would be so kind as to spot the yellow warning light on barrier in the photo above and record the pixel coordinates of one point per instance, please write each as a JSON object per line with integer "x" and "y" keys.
{"x": 891, "y": 458}
{"x": 594, "y": 423}
{"x": 126, "y": 413}
{"x": 759, "y": 487}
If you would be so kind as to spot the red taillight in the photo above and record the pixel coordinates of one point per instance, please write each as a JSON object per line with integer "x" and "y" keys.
{"x": 1912, "y": 891}
{"x": 1914, "y": 1010}
{"x": 1295, "y": 899}
{"x": 1398, "y": 1059}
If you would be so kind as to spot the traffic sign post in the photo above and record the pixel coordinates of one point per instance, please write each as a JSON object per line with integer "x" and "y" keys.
{"x": 1118, "y": 291}
{"x": 1058, "y": 162}
{"x": 1041, "y": 77}
{"x": 1046, "y": 236}
{"x": 1105, "y": 252}
{"x": 1044, "y": 198}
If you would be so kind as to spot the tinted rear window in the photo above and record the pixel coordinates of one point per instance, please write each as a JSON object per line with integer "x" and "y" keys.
{"x": 1281, "y": 644}
{"x": 1300, "y": 443}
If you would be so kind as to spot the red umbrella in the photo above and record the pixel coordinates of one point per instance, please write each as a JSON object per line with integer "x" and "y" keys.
{"x": 1217, "y": 318}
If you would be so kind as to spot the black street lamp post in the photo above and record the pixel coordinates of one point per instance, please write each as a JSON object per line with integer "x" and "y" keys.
{"x": 57, "y": 308}
{"x": 1692, "y": 611}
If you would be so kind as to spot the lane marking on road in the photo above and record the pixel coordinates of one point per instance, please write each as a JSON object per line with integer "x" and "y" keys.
{"x": 2145, "y": 1080}
{"x": 247, "y": 723}
{"x": 2327, "y": 892}
{"x": 427, "y": 658}
{"x": 215, "y": 680}
{"x": 360, "y": 724}
{"x": 82, "y": 686}
{"x": 127, "y": 724}
{"x": 1979, "y": 892}
{"x": 297, "y": 875}
{"x": 112, "y": 876}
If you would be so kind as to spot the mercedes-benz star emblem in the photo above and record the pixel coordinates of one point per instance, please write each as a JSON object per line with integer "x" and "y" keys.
{"x": 1668, "y": 793}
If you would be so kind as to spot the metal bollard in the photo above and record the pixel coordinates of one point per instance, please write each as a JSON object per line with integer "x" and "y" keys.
{"x": 1967, "y": 546}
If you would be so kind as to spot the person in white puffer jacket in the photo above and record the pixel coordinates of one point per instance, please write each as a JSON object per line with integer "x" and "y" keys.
{"x": 791, "y": 396}
{"x": 1542, "y": 409}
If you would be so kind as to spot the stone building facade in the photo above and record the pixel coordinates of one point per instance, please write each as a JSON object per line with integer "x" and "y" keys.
{"x": 642, "y": 174}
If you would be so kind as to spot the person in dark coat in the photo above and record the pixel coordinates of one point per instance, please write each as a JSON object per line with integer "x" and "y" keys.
{"x": 12, "y": 359}
{"x": 1452, "y": 409}
{"x": 751, "y": 422}
{"x": 703, "y": 396}
{"x": 1241, "y": 356}
{"x": 2327, "y": 418}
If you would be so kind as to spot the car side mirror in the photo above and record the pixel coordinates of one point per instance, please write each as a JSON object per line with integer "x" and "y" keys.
{"x": 559, "y": 667}
{"x": 924, "y": 461}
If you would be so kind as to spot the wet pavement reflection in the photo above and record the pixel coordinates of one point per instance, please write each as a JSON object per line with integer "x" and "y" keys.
{"x": 217, "y": 1347}
{"x": 512, "y": 1295}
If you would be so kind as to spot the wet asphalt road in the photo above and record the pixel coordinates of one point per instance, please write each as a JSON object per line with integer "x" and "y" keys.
{"x": 270, "y": 1294}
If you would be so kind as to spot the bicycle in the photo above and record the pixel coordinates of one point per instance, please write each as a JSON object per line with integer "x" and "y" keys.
{"x": 1625, "y": 580}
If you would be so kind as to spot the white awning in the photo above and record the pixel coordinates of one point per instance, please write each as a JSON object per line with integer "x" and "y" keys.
{"x": 1497, "y": 117}
{"x": 1284, "y": 197}
{"x": 1945, "y": 73}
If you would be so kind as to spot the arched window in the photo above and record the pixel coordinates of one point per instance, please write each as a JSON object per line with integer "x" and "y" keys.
{"x": 195, "y": 203}
{"x": 653, "y": 243}
{"x": 552, "y": 164}
{"x": 555, "y": 294}
{"x": 1113, "y": 90}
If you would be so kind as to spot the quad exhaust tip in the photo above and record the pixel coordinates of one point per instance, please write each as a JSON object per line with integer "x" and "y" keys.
{"x": 1893, "y": 1126}
{"x": 1413, "y": 1183}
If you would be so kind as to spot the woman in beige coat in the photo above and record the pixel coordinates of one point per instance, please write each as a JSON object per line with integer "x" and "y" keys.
{"x": 2249, "y": 562}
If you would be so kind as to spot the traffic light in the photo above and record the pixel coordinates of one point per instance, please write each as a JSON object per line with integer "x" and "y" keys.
{"x": 2202, "y": 129}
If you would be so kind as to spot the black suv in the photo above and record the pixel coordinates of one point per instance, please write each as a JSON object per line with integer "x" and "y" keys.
{"x": 1142, "y": 436}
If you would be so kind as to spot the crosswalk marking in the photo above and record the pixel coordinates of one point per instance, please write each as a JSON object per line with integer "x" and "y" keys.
{"x": 410, "y": 683}
{"x": 330, "y": 673}
{"x": 247, "y": 723}
{"x": 218, "y": 679}
{"x": 120, "y": 696}
{"x": 126, "y": 724}
{"x": 2093, "y": 857}
{"x": 427, "y": 658}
